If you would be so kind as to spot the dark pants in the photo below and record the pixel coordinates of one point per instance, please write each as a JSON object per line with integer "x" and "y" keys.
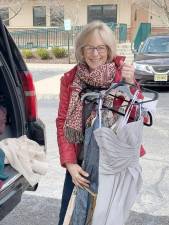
{"x": 67, "y": 191}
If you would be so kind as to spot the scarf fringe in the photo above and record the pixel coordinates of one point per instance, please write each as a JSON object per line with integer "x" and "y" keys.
{"x": 73, "y": 136}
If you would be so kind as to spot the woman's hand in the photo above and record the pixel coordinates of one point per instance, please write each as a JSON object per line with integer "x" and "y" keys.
{"x": 127, "y": 72}
{"x": 78, "y": 175}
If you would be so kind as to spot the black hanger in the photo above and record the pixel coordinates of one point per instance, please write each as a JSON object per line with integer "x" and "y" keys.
{"x": 94, "y": 101}
{"x": 121, "y": 86}
{"x": 124, "y": 87}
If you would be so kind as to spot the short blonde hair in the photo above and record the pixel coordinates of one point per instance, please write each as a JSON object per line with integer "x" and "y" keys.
{"x": 104, "y": 32}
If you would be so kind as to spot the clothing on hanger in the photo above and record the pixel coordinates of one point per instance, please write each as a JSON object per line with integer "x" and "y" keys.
{"x": 125, "y": 96}
{"x": 119, "y": 171}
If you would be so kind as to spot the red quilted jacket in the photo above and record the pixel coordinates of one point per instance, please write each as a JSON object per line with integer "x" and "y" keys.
{"x": 68, "y": 151}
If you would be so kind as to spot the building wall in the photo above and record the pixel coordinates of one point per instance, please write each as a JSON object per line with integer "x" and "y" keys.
{"x": 148, "y": 12}
{"x": 145, "y": 11}
{"x": 157, "y": 16}
{"x": 24, "y": 18}
{"x": 129, "y": 13}
{"x": 139, "y": 15}
{"x": 75, "y": 10}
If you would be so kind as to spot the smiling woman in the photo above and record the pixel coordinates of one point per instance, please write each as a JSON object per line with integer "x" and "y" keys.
{"x": 91, "y": 37}
{"x": 97, "y": 68}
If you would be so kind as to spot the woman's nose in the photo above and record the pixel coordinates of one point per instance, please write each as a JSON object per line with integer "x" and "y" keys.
{"x": 95, "y": 52}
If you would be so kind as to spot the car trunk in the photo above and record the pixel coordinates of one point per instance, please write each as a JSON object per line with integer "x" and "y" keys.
{"x": 15, "y": 125}
{"x": 17, "y": 95}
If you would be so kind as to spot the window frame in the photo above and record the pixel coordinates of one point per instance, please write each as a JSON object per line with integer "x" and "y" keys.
{"x": 101, "y": 16}
{"x": 35, "y": 23}
{"x": 5, "y": 20}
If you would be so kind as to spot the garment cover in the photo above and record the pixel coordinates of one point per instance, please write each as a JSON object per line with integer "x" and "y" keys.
{"x": 119, "y": 172}
{"x": 85, "y": 202}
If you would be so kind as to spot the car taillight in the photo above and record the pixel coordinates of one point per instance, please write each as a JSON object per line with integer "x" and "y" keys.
{"x": 30, "y": 95}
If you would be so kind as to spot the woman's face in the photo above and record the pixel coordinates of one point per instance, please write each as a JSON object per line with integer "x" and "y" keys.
{"x": 95, "y": 52}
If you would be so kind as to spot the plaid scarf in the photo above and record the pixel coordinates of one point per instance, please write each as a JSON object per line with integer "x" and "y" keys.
{"x": 102, "y": 76}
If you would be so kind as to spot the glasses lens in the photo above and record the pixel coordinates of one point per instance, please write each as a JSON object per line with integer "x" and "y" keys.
{"x": 89, "y": 50}
{"x": 100, "y": 49}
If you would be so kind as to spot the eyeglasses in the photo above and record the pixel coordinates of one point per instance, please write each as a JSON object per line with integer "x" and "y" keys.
{"x": 101, "y": 49}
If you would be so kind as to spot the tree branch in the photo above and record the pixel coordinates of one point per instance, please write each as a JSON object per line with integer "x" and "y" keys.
{"x": 166, "y": 9}
{"x": 157, "y": 3}
{"x": 16, "y": 12}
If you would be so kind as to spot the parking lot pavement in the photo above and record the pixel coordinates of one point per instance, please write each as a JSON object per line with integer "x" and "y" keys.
{"x": 48, "y": 88}
{"x": 35, "y": 210}
{"x": 47, "y": 78}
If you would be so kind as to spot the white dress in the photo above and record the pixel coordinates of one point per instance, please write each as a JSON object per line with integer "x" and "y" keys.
{"x": 119, "y": 173}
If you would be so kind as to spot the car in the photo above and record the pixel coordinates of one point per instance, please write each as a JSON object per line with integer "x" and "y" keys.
{"x": 151, "y": 62}
{"x": 17, "y": 94}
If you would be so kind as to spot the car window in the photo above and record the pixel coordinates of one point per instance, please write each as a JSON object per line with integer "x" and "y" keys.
{"x": 157, "y": 45}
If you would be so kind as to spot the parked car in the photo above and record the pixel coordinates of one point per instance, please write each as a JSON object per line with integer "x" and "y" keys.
{"x": 152, "y": 61}
{"x": 17, "y": 95}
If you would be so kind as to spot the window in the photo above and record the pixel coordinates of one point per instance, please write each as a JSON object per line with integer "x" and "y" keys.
{"x": 57, "y": 16}
{"x": 135, "y": 15}
{"x": 4, "y": 14}
{"x": 158, "y": 45}
{"x": 39, "y": 16}
{"x": 105, "y": 13}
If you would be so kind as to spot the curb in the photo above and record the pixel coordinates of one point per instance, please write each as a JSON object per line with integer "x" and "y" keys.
{"x": 44, "y": 97}
{"x": 49, "y": 88}
{"x": 47, "y": 65}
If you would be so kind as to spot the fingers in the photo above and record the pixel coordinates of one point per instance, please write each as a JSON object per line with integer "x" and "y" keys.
{"x": 84, "y": 182}
{"x": 78, "y": 175}
{"x": 127, "y": 72}
{"x": 80, "y": 180}
{"x": 128, "y": 67}
{"x": 83, "y": 173}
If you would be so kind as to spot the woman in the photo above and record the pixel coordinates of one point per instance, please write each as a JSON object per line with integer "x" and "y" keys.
{"x": 98, "y": 65}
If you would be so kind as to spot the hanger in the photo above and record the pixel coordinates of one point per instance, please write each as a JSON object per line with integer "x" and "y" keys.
{"x": 93, "y": 95}
{"x": 155, "y": 97}
{"x": 124, "y": 87}
{"x": 120, "y": 113}
{"x": 121, "y": 86}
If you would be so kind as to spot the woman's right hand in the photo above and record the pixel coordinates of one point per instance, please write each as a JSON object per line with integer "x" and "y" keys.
{"x": 78, "y": 175}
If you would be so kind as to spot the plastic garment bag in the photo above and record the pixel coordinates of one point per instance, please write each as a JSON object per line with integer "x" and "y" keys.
{"x": 119, "y": 170}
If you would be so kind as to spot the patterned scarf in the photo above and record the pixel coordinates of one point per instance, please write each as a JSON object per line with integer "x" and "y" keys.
{"x": 102, "y": 76}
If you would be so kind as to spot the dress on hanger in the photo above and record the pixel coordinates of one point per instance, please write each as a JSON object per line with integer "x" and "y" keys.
{"x": 119, "y": 171}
